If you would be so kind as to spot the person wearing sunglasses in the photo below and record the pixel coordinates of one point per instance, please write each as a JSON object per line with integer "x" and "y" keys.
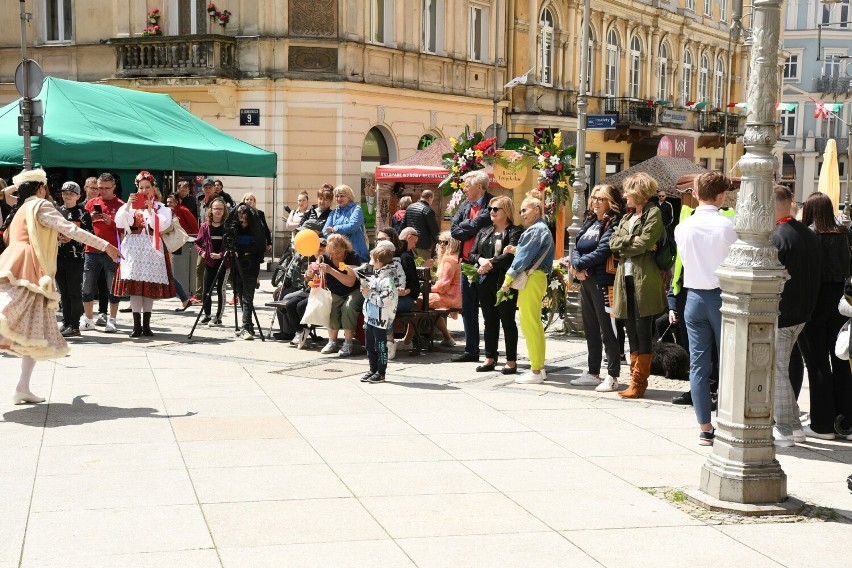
{"x": 588, "y": 265}
{"x": 493, "y": 252}
{"x": 535, "y": 249}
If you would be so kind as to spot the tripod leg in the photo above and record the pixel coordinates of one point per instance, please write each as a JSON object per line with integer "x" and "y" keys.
{"x": 207, "y": 294}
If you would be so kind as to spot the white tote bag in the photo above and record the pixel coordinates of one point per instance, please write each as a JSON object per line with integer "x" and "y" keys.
{"x": 318, "y": 309}
{"x": 841, "y": 346}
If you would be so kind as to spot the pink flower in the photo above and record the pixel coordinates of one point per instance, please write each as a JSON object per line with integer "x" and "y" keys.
{"x": 558, "y": 167}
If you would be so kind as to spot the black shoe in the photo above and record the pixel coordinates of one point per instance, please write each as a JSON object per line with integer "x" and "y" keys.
{"x": 205, "y": 319}
{"x": 510, "y": 370}
{"x": 683, "y": 400}
{"x": 377, "y": 378}
{"x": 367, "y": 376}
{"x": 465, "y": 358}
{"x": 125, "y": 310}
{"x": 283, "y": 336}
{"x": 485, "y": 368}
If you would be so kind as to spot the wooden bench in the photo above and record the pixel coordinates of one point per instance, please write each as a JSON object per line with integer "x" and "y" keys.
{"x": 424, "y": 321}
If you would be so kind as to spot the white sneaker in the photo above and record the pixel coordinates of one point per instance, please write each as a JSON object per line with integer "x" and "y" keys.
{"x": 586, "y": 380}
{"x": 246, "y": 335}
{"x": 448, "y": 342}
{"x": 811, "y": 434}
{"x": 530, "y": 378}
{"x": 799, "y": 436}
{"x": 391, "y": 350}
{"x": 86, "y": 324}
{"x": 609, "y": 384}
{"x": 330, "y": 347}
{"x": 781, "y": 440}
{"x": 110, "y": 326}
{"x": 102, "y": 320}
{"x": 345, "y": 350}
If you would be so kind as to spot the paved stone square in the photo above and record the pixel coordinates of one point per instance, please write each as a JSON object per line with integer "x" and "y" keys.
{"x": 219, "y": 452}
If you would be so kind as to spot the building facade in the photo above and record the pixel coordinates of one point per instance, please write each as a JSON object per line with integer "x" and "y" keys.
{"x": 815, "y": 71}
{"x": 338, "y": 86}
{"x": 661, "y": 69}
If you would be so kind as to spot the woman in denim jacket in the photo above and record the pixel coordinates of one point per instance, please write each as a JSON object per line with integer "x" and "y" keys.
{"x": 348, "y": 220}
{"x": 536, "y": 242}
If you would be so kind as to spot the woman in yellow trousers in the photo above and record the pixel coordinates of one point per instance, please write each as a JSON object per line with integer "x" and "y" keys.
{"x": 535, "y": 254}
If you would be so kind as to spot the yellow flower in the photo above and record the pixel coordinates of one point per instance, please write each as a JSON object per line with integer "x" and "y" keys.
{"x": 455, "y": 169}
{"x": 454, "y": 185}
{"x": 478, "y": 153}
{"x": 453, "y": 141}
{"x": 562, "y": 184}
{"x": 537, "y": 150}
{"x": 557, "y": 140}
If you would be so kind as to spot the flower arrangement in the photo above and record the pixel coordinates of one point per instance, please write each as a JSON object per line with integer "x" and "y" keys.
{"x": 222, "y": 17}
{"x": 471, "y": 151}
{"x": 555, "y": 302}
{"x": 153, "y": 21}
{"x": 554, "y": 164}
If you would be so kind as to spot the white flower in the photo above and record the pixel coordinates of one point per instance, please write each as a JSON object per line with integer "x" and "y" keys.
{"x": 554, "y": 160}
{"x": 468, "y": 153}
{"x": 541, "y": 159}
{"x": 554, "y": 285}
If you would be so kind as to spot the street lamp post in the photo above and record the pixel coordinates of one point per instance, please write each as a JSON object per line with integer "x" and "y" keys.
{"x": 742, "y": 467}
{"x": 26, "y": 101}
{"x": 574, "y": 321}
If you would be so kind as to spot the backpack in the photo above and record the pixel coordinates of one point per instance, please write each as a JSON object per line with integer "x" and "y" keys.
{"x": 666, "y": 250}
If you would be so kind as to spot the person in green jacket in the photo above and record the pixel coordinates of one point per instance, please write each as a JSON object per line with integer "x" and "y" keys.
{"x": 638, "y": 294}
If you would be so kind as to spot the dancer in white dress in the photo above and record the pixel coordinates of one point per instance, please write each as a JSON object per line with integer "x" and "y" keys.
{"x": 145, "y": 274}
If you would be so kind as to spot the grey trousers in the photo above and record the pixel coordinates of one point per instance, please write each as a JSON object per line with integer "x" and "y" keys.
{"x": 786, "y": 408}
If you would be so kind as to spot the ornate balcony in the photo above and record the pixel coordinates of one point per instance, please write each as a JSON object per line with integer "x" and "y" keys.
{"x": 630, "y": 112}
{"x": 197, "y": 55}
{"x": 842, "y": 145}
{"x": 714, "y": 123}
{"x": 833, "y": 84}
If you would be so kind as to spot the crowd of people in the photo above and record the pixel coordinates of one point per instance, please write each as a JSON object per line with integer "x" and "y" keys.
{"x": 494, "y": 261}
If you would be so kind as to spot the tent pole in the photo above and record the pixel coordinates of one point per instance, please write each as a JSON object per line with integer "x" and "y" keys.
{"x": 274, "y": 212}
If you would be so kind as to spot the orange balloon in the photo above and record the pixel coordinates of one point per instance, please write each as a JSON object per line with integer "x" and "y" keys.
{"x": 307, "y": 242}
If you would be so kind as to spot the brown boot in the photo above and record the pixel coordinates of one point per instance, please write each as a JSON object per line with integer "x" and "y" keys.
{"x": 633, "y": 356}
{"x": 638, "y": 378}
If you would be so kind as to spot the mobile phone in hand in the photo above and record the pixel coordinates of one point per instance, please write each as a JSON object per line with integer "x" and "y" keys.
{"x": 97, "y": 208}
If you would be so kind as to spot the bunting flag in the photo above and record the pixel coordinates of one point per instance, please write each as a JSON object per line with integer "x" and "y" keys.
{"x": 834, "y": 107}
{"x": 820, "y": 111}
{"x": 786, "y": 106}
{"x": 698, "y": 106}
{"x": 741, "y": 105}
{"x": 662, "y": 102}
{"x": 690, "y": 104}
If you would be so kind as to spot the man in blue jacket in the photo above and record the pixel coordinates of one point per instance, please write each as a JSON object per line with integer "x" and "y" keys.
{"x": 472, "y": 217}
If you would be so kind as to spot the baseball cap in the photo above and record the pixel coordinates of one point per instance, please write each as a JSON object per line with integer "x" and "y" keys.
{"x": 71, "y": 186}
{"x": 207, "y": 181}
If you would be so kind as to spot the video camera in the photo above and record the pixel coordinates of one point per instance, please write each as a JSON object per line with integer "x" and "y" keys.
{"x": 232, "y": 230}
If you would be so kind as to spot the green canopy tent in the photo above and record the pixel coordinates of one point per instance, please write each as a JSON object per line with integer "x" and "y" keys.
{"x": 105, "y": 127}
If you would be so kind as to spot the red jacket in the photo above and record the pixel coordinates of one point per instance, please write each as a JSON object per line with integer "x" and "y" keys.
{"x": 188, "y": 222}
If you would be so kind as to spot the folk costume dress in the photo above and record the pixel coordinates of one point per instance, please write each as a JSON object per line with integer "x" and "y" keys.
{"x": 146, "y": 269}
{"x": 28, "y": 296}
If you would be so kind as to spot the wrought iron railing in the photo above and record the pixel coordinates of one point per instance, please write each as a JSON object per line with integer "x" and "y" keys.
{"x": 840, "y": 84}
{"x": 158, "y": 56}
{"x": 714, "y": 122}
{"x": 630, "y": 111}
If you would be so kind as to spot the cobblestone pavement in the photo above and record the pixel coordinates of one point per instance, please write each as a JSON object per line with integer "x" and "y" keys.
{"x": 220, "y": 452}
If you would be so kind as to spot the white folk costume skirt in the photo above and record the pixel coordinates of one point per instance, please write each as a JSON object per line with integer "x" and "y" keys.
{"x": 144, "y": 270}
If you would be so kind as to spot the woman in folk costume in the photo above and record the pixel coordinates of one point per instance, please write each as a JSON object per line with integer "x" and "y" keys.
{"x": 28, "y": 296}
{"x": 145, "y": 274}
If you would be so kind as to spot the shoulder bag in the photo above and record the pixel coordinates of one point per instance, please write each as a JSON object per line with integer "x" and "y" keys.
{"x": 841, "y": 346}
{"x": 520, "y": 281}
{"x": 318, "y": 308}
{"x": 174, "y": 237}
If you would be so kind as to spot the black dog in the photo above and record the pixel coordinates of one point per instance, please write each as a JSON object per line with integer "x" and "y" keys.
{"x": 670, "y": 360}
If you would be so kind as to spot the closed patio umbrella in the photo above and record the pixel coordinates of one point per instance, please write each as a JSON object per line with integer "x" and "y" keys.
{"x": 829, "y": 174}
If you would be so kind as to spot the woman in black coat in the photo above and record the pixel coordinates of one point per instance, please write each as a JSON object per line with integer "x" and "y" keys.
{"x": 493, "y": 252}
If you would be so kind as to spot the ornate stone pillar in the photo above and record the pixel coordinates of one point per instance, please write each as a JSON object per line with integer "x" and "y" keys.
{"x": 742, "y": 467}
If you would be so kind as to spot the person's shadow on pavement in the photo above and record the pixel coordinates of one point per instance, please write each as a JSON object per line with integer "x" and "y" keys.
{"x": 58, "y": 414}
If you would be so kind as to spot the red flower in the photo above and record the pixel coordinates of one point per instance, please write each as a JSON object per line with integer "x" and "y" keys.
{"x": 485, "y": 144}
{"x": 547, "y": 154}
{"x": 558, "y": 167}
{"x": 542, "y": 186}
{"x": 155, "y": 11}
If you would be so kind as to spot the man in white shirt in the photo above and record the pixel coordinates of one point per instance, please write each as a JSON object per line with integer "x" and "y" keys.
{"x": 703, "y": 241}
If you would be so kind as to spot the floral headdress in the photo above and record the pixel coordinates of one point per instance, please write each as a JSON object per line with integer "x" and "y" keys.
{"x": 145, "y": 174}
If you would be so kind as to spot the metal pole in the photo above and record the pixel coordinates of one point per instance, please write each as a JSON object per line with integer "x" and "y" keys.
{"x": 26, "y": 101}
{"x": 742, "y": 467}
{"x": 496, "y": 70}
{"x": 574, "y": 321}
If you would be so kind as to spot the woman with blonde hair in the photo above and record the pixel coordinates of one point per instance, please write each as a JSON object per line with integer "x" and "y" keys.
{"x": 250, "y": 200}
{"x": 589, "y": 263}
{"x": 638, "y": 294}
{"x": 493, "y": 252}
{"x": 534, "y": 255}
{"x": 348, "y": 220}
{"x": 446, "y": 292}
{"x": 338, "y": 264}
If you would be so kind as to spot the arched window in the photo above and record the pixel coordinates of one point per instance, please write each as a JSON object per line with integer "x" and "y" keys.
{"x": 686, "y": 78}
{"x": 545, "y": 48}
{"x": 590, "y": 62}
{"x": 635, "y": 90}
{"x": 719, "y": 83}
{"x": 611, "y": 79}
{"x": 425, "y": 141}
{"x": 703, "y": 78}
{"x": 663, "y": 73}
{"x": 374, "y": 152}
